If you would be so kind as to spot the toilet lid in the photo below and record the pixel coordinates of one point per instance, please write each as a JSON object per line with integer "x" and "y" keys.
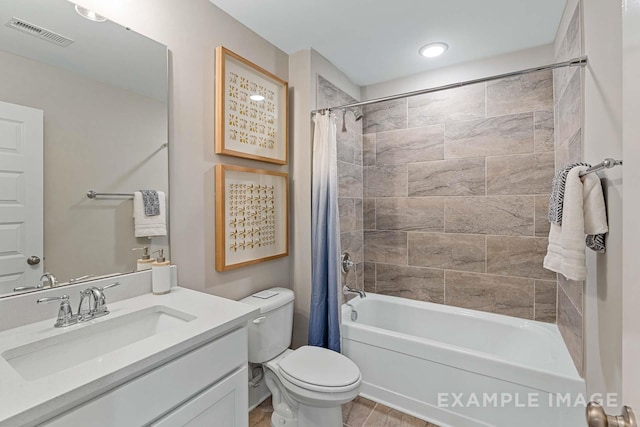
{"x": 321, "y": 367}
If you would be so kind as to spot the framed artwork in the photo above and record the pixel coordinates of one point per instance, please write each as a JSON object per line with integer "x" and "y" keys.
{"x": 252, "y": 216}
{"x": 252, "y": 110}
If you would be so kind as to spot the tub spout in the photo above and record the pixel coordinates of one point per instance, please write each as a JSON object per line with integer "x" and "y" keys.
{"x": 348, "y": 290}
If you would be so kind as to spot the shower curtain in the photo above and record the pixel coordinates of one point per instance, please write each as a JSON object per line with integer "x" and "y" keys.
{"x": 324, "y": 320}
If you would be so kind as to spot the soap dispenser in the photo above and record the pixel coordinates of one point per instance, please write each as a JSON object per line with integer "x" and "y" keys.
{"x": 143, "y": 263}
{"x": 160, "y": 274}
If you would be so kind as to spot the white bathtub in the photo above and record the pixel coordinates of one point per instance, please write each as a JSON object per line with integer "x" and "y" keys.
{"x": 462, "y": 368}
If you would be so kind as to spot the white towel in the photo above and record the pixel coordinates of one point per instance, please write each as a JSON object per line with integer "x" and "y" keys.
{"x": 148, "y": 226}
{"x": 584, "y": 213}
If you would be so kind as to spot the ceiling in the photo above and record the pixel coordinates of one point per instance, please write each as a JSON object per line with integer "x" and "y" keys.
{"x": 376, "y": 40}
{"x": 103, "y": 51}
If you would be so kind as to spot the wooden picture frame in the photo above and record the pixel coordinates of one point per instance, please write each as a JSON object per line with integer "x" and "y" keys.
{"x": 252, "y": 110}
{"x": 252, "y": 216}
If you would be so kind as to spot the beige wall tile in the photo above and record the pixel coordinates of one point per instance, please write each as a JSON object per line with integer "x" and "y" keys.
{"x": 543, "y": 135}
{"x": 383, "y": 116}
{"x": 570, "y": 109}
{"x": 517, "y": 256}
{"x": 347, "y": 210}
{"x": 546, "y": 304}
{"x": 385, "y": 181}
{"x": 369, "y": 214}
{"x": 489, "y": 137}
{"x": 369, "y": 149}
{"x": 349, "y": 180}
{"x": 359, "y": 213}
{"x": 570, "y": 325}
{"x": 574, "y": 291}
{"x": 457, "y": 177}
{"x": 465, "y": 103}
{"x": 503, "y": 295}
{"x": 424, "y": 284}
{"x": 464, "y": 252}
{"x": 417, "y": 214}
{"x": 352, "y": 243}
{"x": 369, "y": 276}
{"x": 386, "y": 246}
{"x": 524, "y": 93}
{"x": 410, "y": 145}
{"x": 542, "y": 216}
{"x": 503, "y": 215}
{"x": 520, "y": 174}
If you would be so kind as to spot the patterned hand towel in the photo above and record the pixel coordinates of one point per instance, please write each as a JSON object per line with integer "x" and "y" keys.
{"x": 151, "y": 202}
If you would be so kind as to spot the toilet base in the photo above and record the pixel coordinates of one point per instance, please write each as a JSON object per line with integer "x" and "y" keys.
{"x": 309, "y": 416}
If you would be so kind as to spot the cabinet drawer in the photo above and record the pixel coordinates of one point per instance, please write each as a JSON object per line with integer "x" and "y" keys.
{"x": 225, "y": 404}
{"x": 147, "y": 397}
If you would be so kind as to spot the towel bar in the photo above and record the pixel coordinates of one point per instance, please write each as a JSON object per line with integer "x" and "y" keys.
{"x": 607, "y": 163}
{"x": 93, "y": 195}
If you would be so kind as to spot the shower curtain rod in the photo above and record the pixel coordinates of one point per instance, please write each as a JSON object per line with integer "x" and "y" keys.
{"x": 581, "y": 61}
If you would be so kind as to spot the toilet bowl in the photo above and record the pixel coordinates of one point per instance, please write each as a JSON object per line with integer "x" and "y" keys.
{"x": 308, "y": 385}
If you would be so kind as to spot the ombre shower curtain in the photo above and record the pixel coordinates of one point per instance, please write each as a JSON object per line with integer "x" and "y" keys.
{"x": 324, "y": 320}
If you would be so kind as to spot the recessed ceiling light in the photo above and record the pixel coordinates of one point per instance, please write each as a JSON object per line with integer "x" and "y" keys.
{"x": 256, "y": 97}
{"x": 89, "y": 14}
{"x": 432, "y": 50}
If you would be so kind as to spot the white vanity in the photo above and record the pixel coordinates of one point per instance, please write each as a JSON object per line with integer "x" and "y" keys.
{"x": 166, "y": 360}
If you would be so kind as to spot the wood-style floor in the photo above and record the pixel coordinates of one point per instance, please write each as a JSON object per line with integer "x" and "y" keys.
{"x": 359, "y": 413}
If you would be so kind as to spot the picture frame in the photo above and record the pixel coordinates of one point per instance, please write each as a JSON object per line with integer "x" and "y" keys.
{"x": 252, "y": 216}
{"x": 252, "y": 110}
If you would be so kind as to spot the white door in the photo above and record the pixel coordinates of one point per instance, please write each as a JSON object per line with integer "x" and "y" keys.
{"x": 21, "y": 196}
{"x": 631, "y": 204}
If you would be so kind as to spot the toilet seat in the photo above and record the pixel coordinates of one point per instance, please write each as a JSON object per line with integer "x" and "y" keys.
{"x": 319, "y": 369}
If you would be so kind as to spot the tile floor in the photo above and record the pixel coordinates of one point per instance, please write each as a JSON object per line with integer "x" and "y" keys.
{"x": 359, "y": 413}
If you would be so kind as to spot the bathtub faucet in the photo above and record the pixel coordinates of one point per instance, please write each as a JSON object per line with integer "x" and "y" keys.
{"x": 348, "y": 290}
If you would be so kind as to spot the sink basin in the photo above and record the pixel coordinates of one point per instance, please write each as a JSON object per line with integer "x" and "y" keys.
{"x": 89, "y": 341}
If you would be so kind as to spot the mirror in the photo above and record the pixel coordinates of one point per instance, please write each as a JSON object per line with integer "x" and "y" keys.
{"x": 83, "y": 106}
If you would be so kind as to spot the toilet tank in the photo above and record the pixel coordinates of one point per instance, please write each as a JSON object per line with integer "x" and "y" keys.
{"x": 270, "y": 331}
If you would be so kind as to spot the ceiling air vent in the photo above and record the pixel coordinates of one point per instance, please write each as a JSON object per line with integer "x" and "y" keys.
{"x": 39, "y": 32}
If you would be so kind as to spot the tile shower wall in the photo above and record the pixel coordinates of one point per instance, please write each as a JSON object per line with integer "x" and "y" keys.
{"x": 350, "y": 182}
{"x": 455, "y": 188}
{"x": 567, "y": 90}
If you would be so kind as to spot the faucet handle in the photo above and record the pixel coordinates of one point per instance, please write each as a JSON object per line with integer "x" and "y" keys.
{"x": 110, "y": 285}
{"x": 47, "y": 300}
{"x": 65, "y": 313}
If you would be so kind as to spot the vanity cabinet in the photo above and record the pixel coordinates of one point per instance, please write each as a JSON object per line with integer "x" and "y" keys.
{"x": 206, "y": 386}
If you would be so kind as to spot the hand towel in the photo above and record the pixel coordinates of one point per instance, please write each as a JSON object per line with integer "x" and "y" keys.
{"x": 556, "y": 199}
{"x": 595, "y": 213}
{"x": 151, "y": 202}
{"x": 583, "y": 213}
{"x": 148, "y": 226}
{"x": 566, "y": 249}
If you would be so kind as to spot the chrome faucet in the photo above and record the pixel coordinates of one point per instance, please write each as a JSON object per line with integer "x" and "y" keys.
{"x": 349, "y": 290}
{"x": 65, "y": 313}
{"x": 97, "y": 306}
{"x": 46, "y": 277}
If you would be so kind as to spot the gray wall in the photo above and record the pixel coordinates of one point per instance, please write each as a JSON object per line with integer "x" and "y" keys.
{"x": 96, "y": 136}
{"x": 456, "y": 189}
{"x": 192, "y": 30}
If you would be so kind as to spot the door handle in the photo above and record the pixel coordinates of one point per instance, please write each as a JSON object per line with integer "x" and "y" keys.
{"x": 33, "y": 260}
{"x": 597, "y": 417}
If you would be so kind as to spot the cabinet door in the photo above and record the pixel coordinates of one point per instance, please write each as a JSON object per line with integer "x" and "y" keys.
{"x": 224, "y": 404}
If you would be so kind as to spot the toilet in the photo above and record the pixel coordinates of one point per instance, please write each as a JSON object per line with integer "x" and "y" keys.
{"x": 308, "y": 385}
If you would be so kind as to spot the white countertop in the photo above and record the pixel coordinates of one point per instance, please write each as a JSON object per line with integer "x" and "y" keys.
{"x": 24, "y": 402}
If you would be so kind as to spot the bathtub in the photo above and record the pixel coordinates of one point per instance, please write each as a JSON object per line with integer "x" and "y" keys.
{"x": 462, "y": 368}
